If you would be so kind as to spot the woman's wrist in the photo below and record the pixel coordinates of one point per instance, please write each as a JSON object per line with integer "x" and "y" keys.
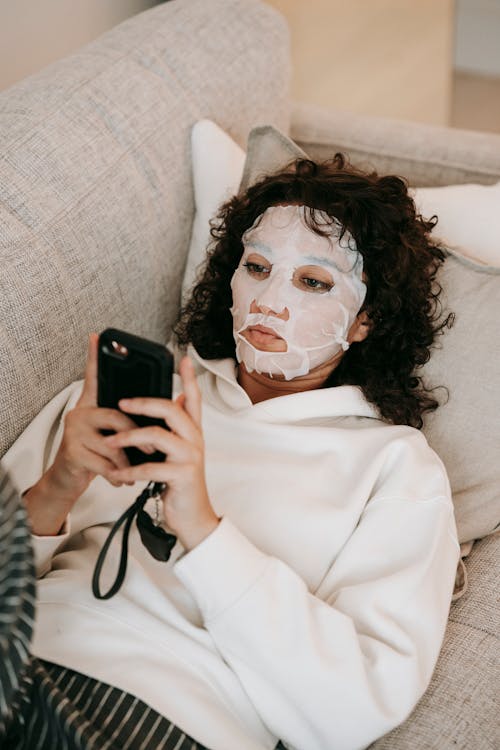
{"x": 48, "y": 503}
{"x": 191, "y": 538}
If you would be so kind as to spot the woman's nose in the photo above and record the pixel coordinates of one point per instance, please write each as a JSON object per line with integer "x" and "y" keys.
{"x": 269, "y": 299}
{"x": 259, "y": 307}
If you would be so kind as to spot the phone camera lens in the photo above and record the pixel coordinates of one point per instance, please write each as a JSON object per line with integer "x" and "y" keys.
{"x": 119, "y": 348}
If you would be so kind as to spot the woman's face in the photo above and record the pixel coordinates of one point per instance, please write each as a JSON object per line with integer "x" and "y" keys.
{"x": 295, "y": 293}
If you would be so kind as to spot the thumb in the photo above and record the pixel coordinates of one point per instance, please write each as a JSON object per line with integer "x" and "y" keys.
{"x": 89, "y": 393}
{"x": 181, "y": 399}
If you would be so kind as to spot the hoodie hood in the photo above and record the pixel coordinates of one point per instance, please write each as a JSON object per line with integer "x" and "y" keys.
{"x": 218, "y": 382}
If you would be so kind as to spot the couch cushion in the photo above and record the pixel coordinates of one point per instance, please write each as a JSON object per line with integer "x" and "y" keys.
{"x": 96, "y": 199}
{"x": 464, "y": 431}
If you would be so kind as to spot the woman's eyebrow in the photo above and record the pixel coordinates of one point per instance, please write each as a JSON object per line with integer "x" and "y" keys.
{"x": 260, "y": 246}
{"x": 321, "y": 261}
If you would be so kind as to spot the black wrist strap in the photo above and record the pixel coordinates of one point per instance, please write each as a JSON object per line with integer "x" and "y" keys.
{"x": 157, "y": 541}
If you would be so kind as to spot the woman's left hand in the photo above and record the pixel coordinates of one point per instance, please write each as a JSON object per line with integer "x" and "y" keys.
{"x": 187, "y": 507}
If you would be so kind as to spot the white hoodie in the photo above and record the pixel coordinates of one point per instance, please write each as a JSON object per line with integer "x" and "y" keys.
{"x": 316, "y": 610}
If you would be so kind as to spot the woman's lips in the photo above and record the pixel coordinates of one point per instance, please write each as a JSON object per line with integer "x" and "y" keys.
{"x": 264, "y": 338}
{"x": 263, "y": 329}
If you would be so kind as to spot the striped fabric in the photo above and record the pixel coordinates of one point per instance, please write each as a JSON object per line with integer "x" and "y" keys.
{"x": 17, "y": 598}
{"x": 63, "y": 709}
{"x": 66, "y": 710}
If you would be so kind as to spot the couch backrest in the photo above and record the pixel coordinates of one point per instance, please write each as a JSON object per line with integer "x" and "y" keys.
{"x": 426, "y": 155}
{"x": 96, "y": 199}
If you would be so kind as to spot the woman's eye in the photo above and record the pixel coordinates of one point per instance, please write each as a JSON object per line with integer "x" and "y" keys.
{"x": 255, "y": 269}
{"x": 316, "y": 285}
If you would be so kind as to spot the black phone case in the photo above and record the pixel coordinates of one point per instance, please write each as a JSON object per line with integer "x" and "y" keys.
{"x": 146, "y": 370}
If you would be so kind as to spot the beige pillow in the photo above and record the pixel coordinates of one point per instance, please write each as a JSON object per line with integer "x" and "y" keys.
{"x": 217, "y": 163}
{"x": 469, "y": 218}
{"x": 465, "y": 431}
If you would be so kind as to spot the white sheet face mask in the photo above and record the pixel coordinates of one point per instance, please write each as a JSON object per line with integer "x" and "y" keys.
{"x": 313, "y": 283}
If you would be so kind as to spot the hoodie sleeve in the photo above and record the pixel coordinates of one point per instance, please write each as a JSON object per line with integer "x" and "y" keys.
{"x": 46, "y": 547}
{"x": 31, "y": 455}
{"x": 345, "y": 664}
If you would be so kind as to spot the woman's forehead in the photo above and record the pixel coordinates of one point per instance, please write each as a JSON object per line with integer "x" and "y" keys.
{"x": 281, "y": 235}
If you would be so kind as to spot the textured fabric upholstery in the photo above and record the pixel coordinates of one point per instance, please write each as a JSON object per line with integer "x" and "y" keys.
{"x": 465, "y": 429}
{"x": 424, "y": 154}
{"x": 96, "y": 201}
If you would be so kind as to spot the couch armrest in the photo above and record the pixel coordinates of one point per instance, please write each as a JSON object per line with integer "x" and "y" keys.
{"x": 424, "y": 154}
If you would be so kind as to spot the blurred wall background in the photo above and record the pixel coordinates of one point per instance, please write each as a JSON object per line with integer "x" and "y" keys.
{"x": 476, "y": 81}
{"x": 392, "y": 58}
{"x": 435, "y": 61}
{"x": 34, "y": 33}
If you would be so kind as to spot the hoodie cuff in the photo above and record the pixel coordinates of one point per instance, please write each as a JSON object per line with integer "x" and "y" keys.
{"x": 45, "y": 547}
{"x": 221, "y": 569}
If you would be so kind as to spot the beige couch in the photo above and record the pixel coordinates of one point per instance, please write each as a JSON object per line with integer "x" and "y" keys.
{"x": 96, "y": 210}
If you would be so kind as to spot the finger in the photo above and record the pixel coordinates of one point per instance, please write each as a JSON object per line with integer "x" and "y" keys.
{"x": 148, "y": 448}
{"x": 191, "y": 390}
{"x": 174, "y": 415}
{"x": 115, "y": 455}
{"x": 89, "y": 393}
{"x": 154, "y": 472}
{"x": 99, "y": 464}
{"x": 157, "y": 437}
{"x": 103, "y": 418}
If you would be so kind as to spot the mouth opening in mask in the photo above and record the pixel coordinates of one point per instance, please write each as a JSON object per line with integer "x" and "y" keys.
{"x": 265, "y": 338}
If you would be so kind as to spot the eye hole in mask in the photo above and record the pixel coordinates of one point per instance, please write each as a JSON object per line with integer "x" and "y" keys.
{"x": 307, "y": 278}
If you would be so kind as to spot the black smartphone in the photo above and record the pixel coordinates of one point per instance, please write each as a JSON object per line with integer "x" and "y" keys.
{"x": 130, "y": 366}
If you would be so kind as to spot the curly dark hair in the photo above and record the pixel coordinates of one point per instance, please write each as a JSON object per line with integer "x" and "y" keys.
{"x": 399, "y": 259}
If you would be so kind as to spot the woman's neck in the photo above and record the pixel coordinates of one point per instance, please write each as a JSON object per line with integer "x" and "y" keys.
{"x": 260, "y": 387}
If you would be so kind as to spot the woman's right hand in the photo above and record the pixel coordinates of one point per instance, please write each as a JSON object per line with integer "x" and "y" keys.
{"x": 82, "y": 454}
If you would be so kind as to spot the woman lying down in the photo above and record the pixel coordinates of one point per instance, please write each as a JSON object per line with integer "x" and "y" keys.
{"x": 306, "y": 599}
